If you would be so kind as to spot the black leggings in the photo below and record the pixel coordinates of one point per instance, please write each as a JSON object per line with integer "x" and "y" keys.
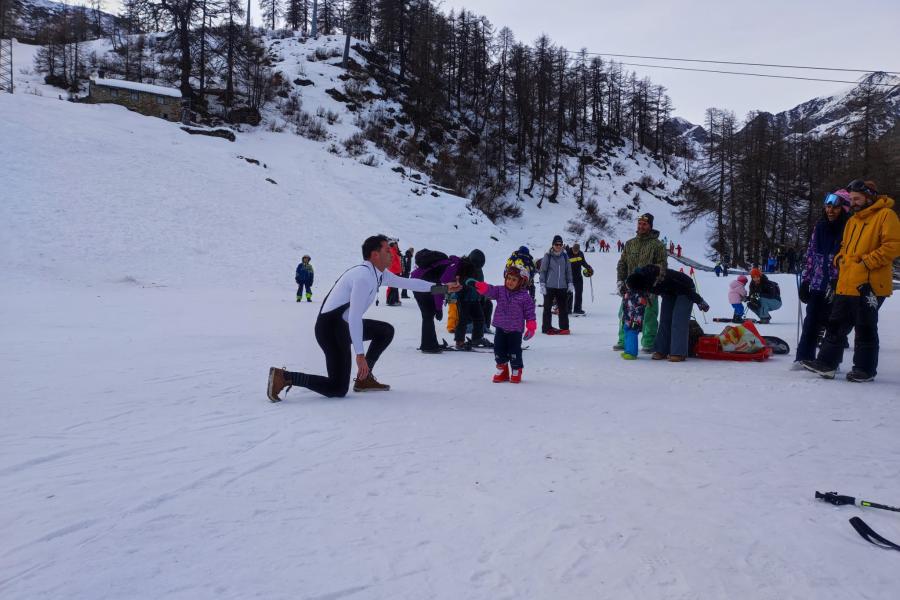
{"x": 333, "y": 336}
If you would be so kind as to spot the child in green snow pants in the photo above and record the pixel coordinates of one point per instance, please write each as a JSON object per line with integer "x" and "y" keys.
{"x": 651, "y": 324}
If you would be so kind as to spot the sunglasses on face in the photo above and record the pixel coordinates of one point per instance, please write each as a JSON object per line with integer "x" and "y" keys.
{"x": 557, "y": 245}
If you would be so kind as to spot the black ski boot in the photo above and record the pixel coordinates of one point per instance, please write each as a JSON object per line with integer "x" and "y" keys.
{"x": 859, "y": 376}
{"x": 819, "y": 368}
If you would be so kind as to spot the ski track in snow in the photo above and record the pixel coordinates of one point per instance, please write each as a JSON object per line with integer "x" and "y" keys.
{"x": 141, "y": 458}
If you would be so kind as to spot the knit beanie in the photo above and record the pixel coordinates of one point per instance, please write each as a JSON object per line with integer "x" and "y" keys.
{"x": 754, "y": 272}
{"x": 742, "y": 279}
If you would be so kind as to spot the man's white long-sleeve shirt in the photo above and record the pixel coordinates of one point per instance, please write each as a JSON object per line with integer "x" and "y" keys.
{"x": 359, "y": 286}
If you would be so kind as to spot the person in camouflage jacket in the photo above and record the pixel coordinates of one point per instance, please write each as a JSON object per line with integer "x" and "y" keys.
{"x": 642, "y": 250}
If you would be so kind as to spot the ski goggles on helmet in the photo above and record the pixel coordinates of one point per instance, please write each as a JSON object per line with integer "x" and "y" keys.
{"x": 833, "y": 200}
{"x": 858, "y": 185}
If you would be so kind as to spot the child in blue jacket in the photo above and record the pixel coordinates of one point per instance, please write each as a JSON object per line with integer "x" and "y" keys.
{"x": 304, "y": 279}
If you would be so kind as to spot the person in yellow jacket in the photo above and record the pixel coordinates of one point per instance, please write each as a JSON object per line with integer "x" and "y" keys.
{"x": 870, "y": 243}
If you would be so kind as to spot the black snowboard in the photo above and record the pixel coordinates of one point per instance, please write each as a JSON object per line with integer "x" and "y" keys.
{"x": 778, "y": 345}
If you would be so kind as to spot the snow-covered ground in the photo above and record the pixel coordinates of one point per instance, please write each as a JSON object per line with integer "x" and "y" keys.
{"x": 148, "y": 286}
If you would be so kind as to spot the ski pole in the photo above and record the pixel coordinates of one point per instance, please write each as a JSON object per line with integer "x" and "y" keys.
{"x": 838, "y": 500}
{"x": 591, "y": 281}
{"x": 799, "y": 308}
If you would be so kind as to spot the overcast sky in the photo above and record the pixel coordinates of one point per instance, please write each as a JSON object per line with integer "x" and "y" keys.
{"x": 859, "y": 34}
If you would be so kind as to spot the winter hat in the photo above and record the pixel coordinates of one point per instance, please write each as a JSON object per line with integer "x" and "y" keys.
{"x": 476, "y": 257}
{"x": 306, "y": 256}
{"x": 638, "y": 281}
{"x": 742, "y": 279}
{"x": 646, "y": 217}
{"x": 557, "y": 239}
{"x": 754, "y": 272}
{"x": 524, "y": 250}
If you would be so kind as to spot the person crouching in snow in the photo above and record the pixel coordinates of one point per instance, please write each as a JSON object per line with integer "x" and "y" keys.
{"x": 678, "y": 294}
{"x": 513, "y": 315}
{"x": 633, "y": 304}
{"x": 737, "y": 293}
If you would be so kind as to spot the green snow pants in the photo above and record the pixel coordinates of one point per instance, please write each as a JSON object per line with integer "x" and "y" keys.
{"x": 651, "y": 324}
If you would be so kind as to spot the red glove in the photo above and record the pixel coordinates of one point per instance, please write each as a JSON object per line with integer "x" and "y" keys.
{"x": 481, "y": 287}
{"x": 530, "y": 328}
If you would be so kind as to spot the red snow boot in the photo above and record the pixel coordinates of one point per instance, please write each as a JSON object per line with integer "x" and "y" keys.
{"x": 516, "y": 376}
{"x": 502, "y": 373}
{"x": 563, "y": 332}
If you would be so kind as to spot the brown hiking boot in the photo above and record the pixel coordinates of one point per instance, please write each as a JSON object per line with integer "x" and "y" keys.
{"x": 658, "y": 356}
{"x": 278, "y": 380}
{"x": 676, "y": 358}
{"x": 370, "y": 384}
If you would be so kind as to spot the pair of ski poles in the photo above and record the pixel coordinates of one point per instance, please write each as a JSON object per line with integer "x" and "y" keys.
{"x": 861, "y": 527}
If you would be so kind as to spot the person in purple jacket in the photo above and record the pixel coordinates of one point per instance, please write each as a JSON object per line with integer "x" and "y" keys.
{"x": 438, "y": 268}
{"x": 513, "y": 316}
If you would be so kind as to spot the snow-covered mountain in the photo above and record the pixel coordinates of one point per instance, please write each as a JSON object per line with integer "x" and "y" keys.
{"x": 35, "y": 14}
{"x": 835, "y": 113}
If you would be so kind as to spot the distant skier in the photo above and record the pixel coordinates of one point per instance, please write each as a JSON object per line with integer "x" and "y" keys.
{"x": 678, "y": 250}
{"x": 340, "y": 326}
{"x": 514, "y": 315}
{"x": 407, "y": 267}
{"x": 718, "y": 269}
{"x": 580, "y": 270}
{"x": 304, "y": 279}
{"x": 392, "y": 297}
{"x": 469, "y": 304}
{"x": 438, "y": 268}
{"x": 556, "y": 280}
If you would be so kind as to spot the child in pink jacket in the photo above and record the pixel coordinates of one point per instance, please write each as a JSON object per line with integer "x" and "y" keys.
{"x": 737, "y": 293}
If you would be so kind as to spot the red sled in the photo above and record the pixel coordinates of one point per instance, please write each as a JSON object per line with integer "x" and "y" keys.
{"x": 708, "y": 347}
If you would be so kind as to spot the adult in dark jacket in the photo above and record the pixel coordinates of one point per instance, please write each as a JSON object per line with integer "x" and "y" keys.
{"x": 556, "y": 280}
{"x": 580, "y": 270}
{"x": 304, "y": 279}
{"x": 678, "y": 295}
{"x": 438, "y": 268}
{"x": 469, "y": 303}
{"x": 764, "y": 296}
{"x": 819, "y": 276}
{"x": 407, "y": 260}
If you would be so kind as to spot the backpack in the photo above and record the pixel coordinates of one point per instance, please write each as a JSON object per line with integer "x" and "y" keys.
{"x": 425, "y": 258}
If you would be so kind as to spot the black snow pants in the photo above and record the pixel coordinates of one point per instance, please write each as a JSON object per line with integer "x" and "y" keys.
{"x": 847, "y": 313}
{"x": 333, "y": 336}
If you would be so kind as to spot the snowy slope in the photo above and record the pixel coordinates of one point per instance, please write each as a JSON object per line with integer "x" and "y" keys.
{"x": 148, "y": 286}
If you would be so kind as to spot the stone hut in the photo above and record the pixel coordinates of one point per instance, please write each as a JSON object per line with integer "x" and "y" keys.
{"x": 150, "y": 100}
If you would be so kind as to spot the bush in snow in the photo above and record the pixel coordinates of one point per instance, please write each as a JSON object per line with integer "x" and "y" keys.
{"x": 370, "y": 161}
{"x": 619, "y": 169}
{"x": 310, "y": 127}
{"x": 355, "y": 145}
